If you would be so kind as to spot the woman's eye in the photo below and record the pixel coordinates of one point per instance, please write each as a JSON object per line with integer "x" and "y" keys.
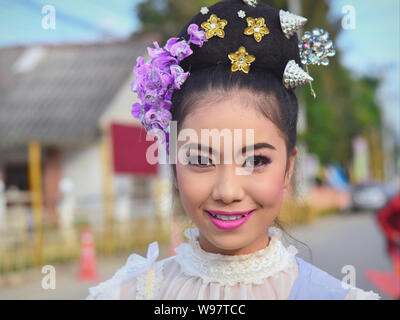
{"x": 256, "y": 161}
{"x": 199, "y": 161}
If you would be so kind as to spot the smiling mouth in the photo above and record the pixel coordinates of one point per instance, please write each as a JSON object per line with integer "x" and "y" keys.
{"x": 229, "y": 217}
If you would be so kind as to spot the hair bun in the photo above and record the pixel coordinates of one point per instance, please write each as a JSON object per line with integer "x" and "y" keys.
{"x": 272, "y": 53}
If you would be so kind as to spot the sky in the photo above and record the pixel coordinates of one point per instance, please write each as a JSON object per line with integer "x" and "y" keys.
{"x": 76, "y": 21}
{"x": 371, "y": 48}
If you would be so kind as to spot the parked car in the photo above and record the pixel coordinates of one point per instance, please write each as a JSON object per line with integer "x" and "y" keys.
{"x": 369, "y": 196}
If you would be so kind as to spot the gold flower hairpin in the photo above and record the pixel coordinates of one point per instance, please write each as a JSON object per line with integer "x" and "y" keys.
{"x": 310, "y": 49}
{"x": 257, "y": 27}
{"x": 214, "y": 26}
{"x": 241, "y": 60}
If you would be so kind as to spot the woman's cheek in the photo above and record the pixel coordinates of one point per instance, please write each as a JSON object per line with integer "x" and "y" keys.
{"x": 193, "y": 189}
{"x": 267, "y": 189}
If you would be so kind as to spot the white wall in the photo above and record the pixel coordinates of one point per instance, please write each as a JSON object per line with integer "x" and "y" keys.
{"x": 84, "y": 168}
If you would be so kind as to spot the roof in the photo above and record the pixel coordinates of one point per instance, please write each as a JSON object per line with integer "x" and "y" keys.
{"x": 60, "y": 101}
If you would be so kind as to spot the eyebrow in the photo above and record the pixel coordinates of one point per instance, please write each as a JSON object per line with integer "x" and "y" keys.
{"x": 200, "y": 147}
{"x": 259, "y": 145}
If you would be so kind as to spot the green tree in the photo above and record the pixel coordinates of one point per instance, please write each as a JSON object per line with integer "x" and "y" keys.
{"x": 167, "y": 17}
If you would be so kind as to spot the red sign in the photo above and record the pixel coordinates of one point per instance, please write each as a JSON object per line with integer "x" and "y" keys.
{"x": 129, "y": 150}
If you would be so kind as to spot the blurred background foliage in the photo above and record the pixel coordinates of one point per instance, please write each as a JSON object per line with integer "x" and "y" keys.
{"x": 345, "y": 107}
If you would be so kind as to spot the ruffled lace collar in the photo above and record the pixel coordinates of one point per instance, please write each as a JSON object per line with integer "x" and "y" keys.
{"x": 230, "y": 270}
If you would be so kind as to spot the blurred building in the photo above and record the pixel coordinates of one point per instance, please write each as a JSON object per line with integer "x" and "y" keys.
{"x": 74, "y": 102}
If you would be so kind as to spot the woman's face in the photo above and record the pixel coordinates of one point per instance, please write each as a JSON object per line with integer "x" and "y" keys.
{"x": 206, "y": 185}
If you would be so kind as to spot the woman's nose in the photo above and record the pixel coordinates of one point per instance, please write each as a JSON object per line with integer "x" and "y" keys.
{"x": 227, "y": 187}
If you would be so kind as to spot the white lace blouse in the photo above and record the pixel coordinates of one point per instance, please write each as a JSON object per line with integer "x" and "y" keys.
{"x": 194, "y": 274}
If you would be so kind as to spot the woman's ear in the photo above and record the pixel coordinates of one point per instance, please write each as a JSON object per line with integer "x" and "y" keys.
{"x": 289, "y": 173}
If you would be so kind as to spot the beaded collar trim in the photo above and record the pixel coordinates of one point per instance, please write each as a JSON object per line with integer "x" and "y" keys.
{"x": 230, "y": 270}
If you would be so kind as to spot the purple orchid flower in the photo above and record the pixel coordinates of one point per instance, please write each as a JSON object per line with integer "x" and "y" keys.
{"x": 137, "y": 110}
{"x": 158, "y": 118}
{"x": 197, "y": 37}
{"x": 155, "y": 52}
{"x": 179, "y": 49}
{"x": 163, "y": 62}
{"x": 156, "y": 81}
{"x": 179, "y": 75}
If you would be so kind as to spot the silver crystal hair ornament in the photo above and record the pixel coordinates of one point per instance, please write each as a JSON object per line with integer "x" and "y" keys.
{"x": 251, "y": 3}
{"x": 315, "y": 47}
{"x": 295, "y": 76}
{"x": 290, "y": 23}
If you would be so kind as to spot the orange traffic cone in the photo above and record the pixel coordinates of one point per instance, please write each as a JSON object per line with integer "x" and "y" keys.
{"x": 88, "y": 264}
{"x": 388, "y": 282}
{"x": 176, "y": 237}
{"x": 384, "y": 281}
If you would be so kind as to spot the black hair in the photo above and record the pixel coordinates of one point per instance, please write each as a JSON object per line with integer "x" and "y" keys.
{"x": 211, "y": 77}
{"x": 272, "y": 53}
{"x": 210, "y": 71}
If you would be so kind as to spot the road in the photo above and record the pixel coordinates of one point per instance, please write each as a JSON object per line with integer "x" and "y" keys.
{"x": 27, "y": 285}
{"x": 344, "y": 239}
{"x": 335, "y": 241}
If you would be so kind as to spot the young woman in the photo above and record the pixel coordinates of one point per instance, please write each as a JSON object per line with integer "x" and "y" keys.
{"x": 232, "y": 71}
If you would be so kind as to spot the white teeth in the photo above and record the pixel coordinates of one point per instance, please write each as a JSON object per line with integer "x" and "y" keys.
{"x": 228, "y": 218}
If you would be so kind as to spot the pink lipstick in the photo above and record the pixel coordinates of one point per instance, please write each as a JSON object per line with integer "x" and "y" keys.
{"x": 229, "y": 220}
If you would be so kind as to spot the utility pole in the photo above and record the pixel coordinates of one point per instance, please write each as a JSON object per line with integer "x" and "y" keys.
{"x": 35, "y": 185}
